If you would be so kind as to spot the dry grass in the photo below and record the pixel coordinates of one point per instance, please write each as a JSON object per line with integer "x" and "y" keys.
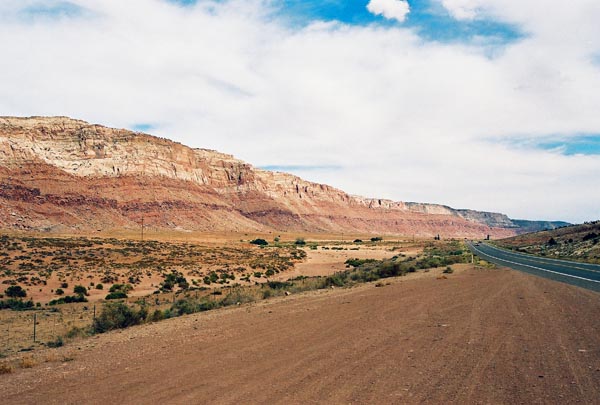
{"x": 5, "y": 368}
{"x": 27, "y": 362}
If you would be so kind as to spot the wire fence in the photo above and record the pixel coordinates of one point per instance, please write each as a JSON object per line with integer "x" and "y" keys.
{"x": 33, "y": 329}
{"x": 25, "y": 330}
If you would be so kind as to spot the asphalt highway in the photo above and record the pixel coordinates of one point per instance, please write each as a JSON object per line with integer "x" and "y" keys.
{"x": 580, "y": 274}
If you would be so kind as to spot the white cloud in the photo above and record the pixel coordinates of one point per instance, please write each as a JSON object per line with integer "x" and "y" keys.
{"x": 390, "y": 9}
{"x": 461, "y": 9}
{"x": 403, "y": 118}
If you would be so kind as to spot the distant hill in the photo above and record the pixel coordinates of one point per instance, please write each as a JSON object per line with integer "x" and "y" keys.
{"x": 575, "y": 242}
{"x": 526, "y": 226}
{"x": 63, "y": 175}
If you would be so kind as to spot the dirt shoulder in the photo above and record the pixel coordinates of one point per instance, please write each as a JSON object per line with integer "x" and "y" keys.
{"x": 489, "y": 336}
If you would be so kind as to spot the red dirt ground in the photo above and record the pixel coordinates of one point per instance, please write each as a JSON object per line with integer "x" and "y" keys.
{"x": 480, "y": 336}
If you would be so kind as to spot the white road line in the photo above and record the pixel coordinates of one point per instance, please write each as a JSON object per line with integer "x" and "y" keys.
{"x": 543, "y": 259}
{"x": 537, "y": 268}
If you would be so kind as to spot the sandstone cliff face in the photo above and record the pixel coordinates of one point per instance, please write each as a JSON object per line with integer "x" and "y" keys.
{"x": 63, "y": 174}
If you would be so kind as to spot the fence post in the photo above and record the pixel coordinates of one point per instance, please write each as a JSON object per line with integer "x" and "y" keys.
{"x": 34, "y": 325}
{"x": 94, "y": 312}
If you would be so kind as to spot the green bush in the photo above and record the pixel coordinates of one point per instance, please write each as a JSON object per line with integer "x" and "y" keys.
{"x": 99, "y": 286}
{"x": 300, "y": 242}
{"x": 117, "y": 315}
{"x": 59, "y": 291}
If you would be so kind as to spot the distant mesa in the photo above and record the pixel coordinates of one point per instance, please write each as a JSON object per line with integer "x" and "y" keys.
{"x": 63, "y": 175}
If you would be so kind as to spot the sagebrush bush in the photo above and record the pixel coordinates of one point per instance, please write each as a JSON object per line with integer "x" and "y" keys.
{"x": 117, "y": 315}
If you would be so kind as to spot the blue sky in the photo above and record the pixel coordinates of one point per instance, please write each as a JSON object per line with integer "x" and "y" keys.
{"x": 576, "y": 145}
{"x": 51, "y": 10}
{"x": 427, "y": 17}
{"x": 483, "y": 104}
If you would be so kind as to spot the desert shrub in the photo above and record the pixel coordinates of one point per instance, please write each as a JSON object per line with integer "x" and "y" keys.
{"x": 117, "y": 295}
{"x": 157, "y": 315}
{"x": 448, "y": 270}
{"x": 16, "y": 304}
{"x": 99, "y": 286}
{"x": 172, "y": 279}
{"x": 269, "y": 272}
{"x": 58, "y": 342}
{"x": 259, "y": 242}
{"x": 300, "y": 242}
{"x": 278, "y": 285}
{"x": 183, "y": 307}
{"x": 358, "y": 241}
{"x": 68, "y": 299}
{"x": 117, "y": 315}
{"x": 376, "y": 239}
{"x": 75, "y": 332}
{"x": 81, "y": 290}
{"x": 120, "y": 287}
{"x": 337, "y": 280}
{"x": 64, "y": 285}
{"x": 15, "y": 291}
{"x": 237, "y": 297}
{"x": 118, "y": 291}
{"x": 389, "y": 269}
{"x": 188, "y": 306}
{"x": 59, "y": 291}
{"x": 358, "y": 262}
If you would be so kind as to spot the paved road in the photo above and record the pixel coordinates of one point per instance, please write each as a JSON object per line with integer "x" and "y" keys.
{"x": 580, "y": 274}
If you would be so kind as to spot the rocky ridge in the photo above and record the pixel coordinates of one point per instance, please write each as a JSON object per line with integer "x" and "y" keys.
{"x": 61, "y": 174}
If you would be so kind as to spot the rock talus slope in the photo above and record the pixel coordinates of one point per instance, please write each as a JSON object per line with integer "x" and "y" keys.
{"x": 60, "y": 174}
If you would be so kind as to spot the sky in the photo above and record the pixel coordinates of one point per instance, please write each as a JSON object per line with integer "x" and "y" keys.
{"x": 484, "y": 104}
